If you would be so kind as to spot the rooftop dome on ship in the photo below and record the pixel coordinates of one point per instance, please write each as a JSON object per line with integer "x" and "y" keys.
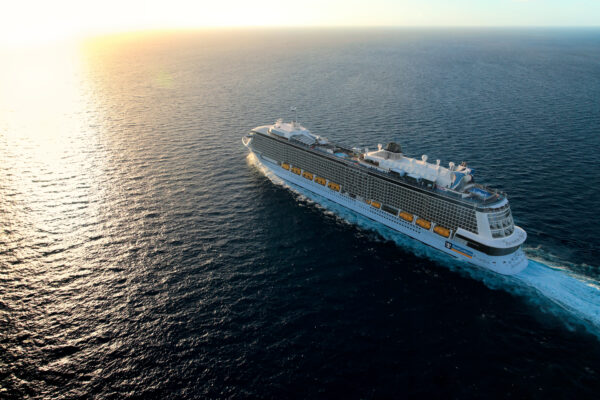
{"x": 393, "y": 147}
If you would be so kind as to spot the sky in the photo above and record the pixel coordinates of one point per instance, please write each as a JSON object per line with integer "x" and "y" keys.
{"x": 23, "y": 21}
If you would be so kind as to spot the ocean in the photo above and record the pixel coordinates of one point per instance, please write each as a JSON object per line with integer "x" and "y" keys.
{"x": 145, "y": 254}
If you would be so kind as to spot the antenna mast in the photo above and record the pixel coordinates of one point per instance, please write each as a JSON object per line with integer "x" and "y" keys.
{"x": 295, "y": 114}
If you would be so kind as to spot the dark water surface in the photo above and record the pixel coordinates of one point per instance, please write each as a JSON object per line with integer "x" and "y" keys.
{"x": 144, "y": 255}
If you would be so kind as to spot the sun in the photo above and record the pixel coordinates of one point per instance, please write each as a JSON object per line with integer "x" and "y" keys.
{"x": 41, "y": 21}
{"x": 32, "y": 22}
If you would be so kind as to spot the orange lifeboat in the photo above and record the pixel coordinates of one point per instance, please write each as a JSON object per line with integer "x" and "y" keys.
{"x": 440, "y": 230}
{"x": 320, "y": 181}
{"x": 307, "y": 175}
{"x": 424, "y": 223}
{"x": 333, "y": 186}
{"x": 407, "y": 216}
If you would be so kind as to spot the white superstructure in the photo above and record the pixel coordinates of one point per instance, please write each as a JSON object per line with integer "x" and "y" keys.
{"x": 420, "y": 169}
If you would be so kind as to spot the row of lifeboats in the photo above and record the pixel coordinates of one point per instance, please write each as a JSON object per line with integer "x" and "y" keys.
{"x": 408, "y": 217}
{"x": 311, "y": 177}
{"x": 423, "y": 223}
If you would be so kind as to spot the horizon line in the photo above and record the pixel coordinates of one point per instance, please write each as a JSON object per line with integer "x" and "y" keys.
{"x": 329, "y": 27}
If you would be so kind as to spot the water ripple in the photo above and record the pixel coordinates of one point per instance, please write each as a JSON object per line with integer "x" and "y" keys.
{"x": 142, "y": 256}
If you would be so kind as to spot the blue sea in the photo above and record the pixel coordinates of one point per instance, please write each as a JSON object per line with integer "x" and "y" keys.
{"x": 144, "y": 254}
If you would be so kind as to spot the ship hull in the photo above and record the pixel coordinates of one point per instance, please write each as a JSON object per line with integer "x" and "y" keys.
{"x": 506, "y": 265}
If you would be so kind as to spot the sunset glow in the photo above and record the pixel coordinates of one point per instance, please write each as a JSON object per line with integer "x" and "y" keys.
{"x": 34, "y": 21}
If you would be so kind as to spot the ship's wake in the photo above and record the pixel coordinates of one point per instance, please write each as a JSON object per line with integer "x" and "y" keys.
{"x": 575, "y": 295}
{"x": 547, "y": 283}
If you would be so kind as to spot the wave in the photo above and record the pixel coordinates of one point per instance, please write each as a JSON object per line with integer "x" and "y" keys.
{"x": 548, "y": 283}
{"x": 577, "y": 295}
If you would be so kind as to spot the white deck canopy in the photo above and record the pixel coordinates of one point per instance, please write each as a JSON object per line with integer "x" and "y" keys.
{"x": 293, "y": 130}
{"x": 420, "y": 169}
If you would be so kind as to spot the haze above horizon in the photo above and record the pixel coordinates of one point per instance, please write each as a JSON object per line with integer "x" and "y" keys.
{"x": 34, "y": 21}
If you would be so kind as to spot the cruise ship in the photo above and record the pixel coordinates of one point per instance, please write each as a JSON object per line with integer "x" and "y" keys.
{"x": 440, "y": 206}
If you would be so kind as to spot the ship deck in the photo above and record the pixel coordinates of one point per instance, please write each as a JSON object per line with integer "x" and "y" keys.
{"x": 474, "y": 193}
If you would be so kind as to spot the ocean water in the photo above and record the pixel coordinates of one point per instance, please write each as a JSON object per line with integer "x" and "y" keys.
{"x": 145, "y": 254}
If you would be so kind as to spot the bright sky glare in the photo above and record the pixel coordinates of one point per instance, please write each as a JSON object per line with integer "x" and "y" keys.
{"x": 25, "y": 21}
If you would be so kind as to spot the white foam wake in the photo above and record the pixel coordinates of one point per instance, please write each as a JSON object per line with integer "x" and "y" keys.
{"x": 577, "y": 295}
{"x": 555, "y": 288}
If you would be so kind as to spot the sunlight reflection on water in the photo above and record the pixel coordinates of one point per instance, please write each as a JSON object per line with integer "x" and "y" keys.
{"x": 50, "y": 171}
